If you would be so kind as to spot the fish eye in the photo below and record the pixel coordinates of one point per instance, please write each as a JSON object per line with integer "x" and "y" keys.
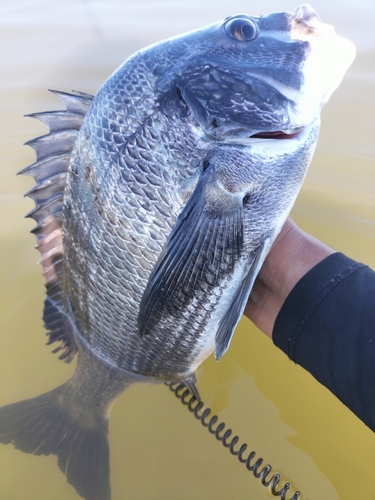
{"x": 241, "y": 29}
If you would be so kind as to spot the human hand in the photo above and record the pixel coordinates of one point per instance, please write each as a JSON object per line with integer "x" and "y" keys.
{"x": 292, "y": 255}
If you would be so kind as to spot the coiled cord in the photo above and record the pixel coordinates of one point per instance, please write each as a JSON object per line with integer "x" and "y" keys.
{"x": 195, "y": 407}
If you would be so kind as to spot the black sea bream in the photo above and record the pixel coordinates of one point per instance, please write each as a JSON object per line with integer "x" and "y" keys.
{"x": 157, "y": 201}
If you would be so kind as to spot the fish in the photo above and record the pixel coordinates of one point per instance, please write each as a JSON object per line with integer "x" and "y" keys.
{"x": 156, "y": 203}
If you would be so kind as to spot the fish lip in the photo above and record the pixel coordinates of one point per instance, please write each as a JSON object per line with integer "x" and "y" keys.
{"x": 278, "y": 134}
{"x": 284, "y": 138}
{"x": 238, "y": 136}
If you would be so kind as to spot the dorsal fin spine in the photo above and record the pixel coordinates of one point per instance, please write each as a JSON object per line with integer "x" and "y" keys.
{"x": 53, "y": 143}
{"x": 53, "y": 151}
{"x": 48, "y": 166}
{"x": 75, "y": 102}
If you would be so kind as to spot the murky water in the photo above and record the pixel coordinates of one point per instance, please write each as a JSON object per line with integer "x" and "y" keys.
{"x": 158, "y": 450}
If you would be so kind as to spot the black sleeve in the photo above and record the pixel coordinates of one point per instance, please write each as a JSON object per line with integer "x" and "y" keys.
{"x": 327, "y": 325}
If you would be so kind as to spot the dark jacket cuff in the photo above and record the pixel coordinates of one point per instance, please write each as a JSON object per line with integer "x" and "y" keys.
{"x": 327, "y": 325}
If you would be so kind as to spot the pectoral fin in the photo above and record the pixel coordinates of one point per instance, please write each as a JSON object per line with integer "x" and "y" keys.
{"x": 229, "y": 322}
{"x": 202, "y": 249}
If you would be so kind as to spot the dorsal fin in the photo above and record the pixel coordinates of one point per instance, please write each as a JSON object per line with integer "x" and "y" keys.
{"x": 53, "y": 152}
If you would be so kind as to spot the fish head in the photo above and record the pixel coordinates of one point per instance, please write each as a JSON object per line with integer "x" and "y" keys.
{"x": 256, "y": 76}
{"x": 256, "y": 85}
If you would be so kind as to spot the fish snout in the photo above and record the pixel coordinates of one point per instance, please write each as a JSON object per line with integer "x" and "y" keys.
{"x": 305, "y": 14}
{"x": 327, "y": 57}
{"x": 306, "y": 25}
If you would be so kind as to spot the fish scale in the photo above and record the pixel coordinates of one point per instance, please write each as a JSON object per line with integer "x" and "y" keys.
{"x": 157, "y": 201}
{"x": 105, "y": 258}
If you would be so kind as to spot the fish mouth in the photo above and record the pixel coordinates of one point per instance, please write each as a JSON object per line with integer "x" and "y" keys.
{"x": 282, "y": 137}
{"x": 278, "y": 134}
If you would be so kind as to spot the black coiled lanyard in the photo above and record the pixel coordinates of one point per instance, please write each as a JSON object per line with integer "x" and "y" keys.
{"x": 202, "y": 414}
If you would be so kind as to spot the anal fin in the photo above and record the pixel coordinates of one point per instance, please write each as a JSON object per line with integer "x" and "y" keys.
{"x": 191, "y": 383}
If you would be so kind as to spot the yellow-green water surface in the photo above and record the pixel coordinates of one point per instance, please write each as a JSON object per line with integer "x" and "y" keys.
{"x": 158, "y": 450}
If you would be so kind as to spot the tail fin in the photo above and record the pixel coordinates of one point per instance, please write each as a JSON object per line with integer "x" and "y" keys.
{"x": 41, "y": 426}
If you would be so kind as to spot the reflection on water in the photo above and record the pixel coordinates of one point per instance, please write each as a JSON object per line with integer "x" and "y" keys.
{"x": 158, "y": 450}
